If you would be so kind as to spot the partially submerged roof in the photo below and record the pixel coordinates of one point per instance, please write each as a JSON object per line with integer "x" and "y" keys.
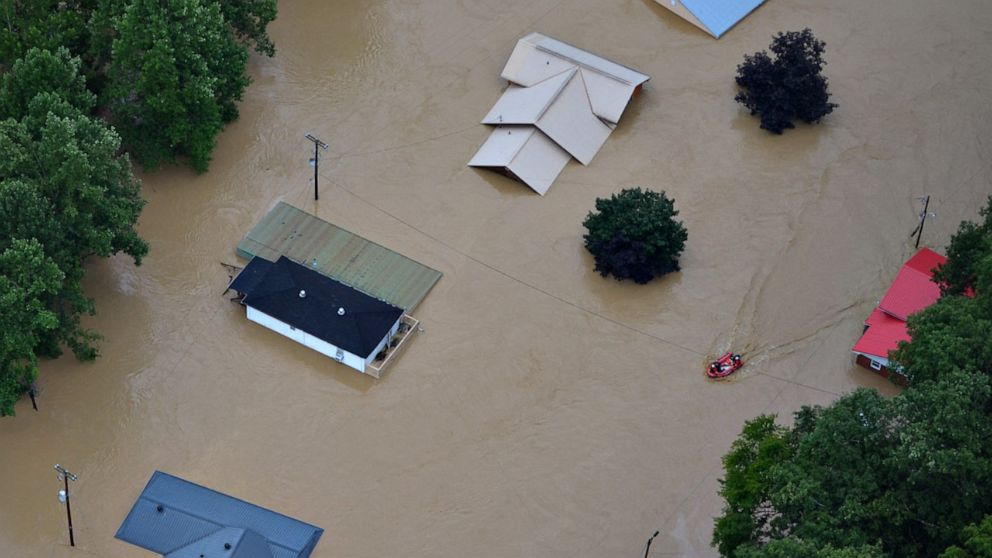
{"x": 913, "y": 288}
{"x": 572, "y": 99}
{"x": 883, "y": 335}
{"x": 339, "y": 254}
{"x": 609, "y": 85}
{"x": 180, "y": 519}
{"x": 316, "y": 304}
{"x": 559, "y": 107}
{"x": 715, "y": 17}
{"x": 525, "y": 153}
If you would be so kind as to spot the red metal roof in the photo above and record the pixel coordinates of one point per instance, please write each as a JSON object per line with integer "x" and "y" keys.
{"x": 883, "y": 335}
{"x": 913, "y": 289}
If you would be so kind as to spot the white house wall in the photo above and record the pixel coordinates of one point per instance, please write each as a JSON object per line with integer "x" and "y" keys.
{"x": 319, "y": 345}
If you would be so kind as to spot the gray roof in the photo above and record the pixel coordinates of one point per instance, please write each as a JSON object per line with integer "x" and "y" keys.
{"x": 180, "y": 519}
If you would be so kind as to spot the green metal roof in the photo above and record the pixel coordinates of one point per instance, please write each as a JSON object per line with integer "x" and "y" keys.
{"x": 339, "y": 254}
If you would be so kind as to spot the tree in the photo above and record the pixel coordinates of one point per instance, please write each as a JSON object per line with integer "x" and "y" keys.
{"x": 788, "y": 86}
{"x": 45, "y": 24}
{"x": 635, "y": 235}
{"x": 64, "y": 185}
{"x": 174, "y": 80}
{"x": 249, "y": 19}
{"x": 865, "y": 475}
{"x": 27, "y": 280}
{"x": 969, "y": 246}
{"x": 976, "y": 542}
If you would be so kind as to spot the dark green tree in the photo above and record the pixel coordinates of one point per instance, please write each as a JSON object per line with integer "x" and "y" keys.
{"x": 28, "y": 280}
{"x": 976, "y": 542}
{"x": 968, "y": 248}
{"x": 250, "y": 19}
{"x": 899, "y": 476}
{"x": 45, "y": 24}
{"x": 64, "y": 185}
{"x": 788, "y": 86}
{"x": 634, "y": 235}
{"x": 176, "y": 75}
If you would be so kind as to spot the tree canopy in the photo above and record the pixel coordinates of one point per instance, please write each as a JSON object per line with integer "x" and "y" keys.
{"x": 168, "y": 73}
{"x": 174, "y": 80}
{"x": 65, "y": 194}
{"x": 788, "y": 86}
{"x": 635, "y": 235}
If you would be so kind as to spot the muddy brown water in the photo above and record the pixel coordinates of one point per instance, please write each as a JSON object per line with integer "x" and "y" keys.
{"x": 545, "y": 411}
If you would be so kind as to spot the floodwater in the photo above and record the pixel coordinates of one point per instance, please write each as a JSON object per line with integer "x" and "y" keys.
{"x": 545, "y": 411}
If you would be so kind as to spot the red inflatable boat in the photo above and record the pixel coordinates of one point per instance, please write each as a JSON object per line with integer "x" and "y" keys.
{"x": 725, "y": 366}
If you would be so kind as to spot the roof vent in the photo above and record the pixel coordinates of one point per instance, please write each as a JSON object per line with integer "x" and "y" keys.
{"x": 303, "y": 294}
{"x": 341, "y": 311}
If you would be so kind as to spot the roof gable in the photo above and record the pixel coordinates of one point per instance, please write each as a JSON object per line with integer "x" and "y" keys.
{"x": 173, "y": 516}
{"x": 537, "y": 57}
{"x": 715, "y": 17}
{"x": 913, "y": 288}
{"x": 318, "y": 305}
{"x": 883, "y": 335}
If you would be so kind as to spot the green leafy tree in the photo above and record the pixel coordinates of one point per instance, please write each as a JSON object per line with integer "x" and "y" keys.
{"x": 788, "y": 86}
{"x": 176, "y": 75}
{"x": 968, "y": 248}
{"x": 28, "y": 280}
{"x": 634, "y": 235}
{"x": 865, "y": 475}
{"x": 45, "y": 24}
{"x": 64, "y": 185}
{"x": 250, "y": 19}
{"x": 976, "y": 542}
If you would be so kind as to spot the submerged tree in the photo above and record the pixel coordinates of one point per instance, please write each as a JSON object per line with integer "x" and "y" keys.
{"x": 635, "y": 235}
{"x": 787, "y": 86}
{"x": 176, "y": 75}
{"x": 66, "y": 194}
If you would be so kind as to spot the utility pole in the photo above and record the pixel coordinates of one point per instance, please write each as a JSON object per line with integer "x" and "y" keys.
{"x": 66, "y": 476}
{"x": 316, "y": 161}
{"x": 918, "y": 231}
{"x": 648, "y": 547}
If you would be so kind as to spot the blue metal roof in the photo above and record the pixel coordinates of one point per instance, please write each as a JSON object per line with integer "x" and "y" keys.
{"x": 720, "y": 15}
{"x": 179, "y": 519}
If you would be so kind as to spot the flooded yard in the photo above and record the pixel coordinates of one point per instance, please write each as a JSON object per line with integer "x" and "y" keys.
{"x": 545, "y": 411}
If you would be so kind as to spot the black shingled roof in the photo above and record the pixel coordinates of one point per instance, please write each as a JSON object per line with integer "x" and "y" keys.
{"x": 274, "y": 289}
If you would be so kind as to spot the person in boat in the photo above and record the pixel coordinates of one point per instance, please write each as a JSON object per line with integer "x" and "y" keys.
{"x": 736, "y": 360}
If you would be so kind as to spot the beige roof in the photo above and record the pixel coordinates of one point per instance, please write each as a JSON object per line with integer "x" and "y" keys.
{"x": 559, "y": 107}
{"x": 609, "y": 85}
{"x": 525, "y": 153}
{"x": 562, "y": 101}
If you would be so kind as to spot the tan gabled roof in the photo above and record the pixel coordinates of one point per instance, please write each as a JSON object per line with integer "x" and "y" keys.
{"x": 537, "y": 57}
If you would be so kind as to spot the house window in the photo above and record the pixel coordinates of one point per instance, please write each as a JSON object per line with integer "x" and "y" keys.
{"x": 339, "y": 356}
{"x": 875, "y": 365}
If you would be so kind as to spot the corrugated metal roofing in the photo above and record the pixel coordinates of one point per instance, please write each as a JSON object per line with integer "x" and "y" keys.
{"x": 883, "y": 335}
{"x": 171, "y": 514}
{"x": 339, "y": 254}
{"x": 913, "y": 288}
{"x": 715, "y": 17}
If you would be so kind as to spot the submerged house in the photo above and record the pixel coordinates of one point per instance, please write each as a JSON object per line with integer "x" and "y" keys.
{"x": 330, "y": 289}
{"x": 326, "y": 315}
{"x": 912, "y": 290}
{"x": 179, "y": 519}
{"x": 561, "y": 102}
{"x": 715, "y": 17}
